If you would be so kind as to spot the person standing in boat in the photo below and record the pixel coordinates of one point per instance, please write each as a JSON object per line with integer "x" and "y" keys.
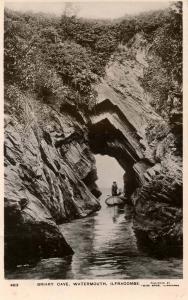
{"x": 114, "y": 188}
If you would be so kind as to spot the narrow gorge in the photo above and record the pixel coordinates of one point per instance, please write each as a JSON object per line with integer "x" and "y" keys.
{"x": 50, "y": 170}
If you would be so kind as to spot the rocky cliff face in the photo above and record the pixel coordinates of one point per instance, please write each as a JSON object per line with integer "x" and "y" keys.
{"x": 50, "y": 170}
{"x": 48, "y": 167}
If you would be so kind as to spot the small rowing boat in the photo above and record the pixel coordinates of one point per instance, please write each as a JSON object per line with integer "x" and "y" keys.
{"x": 114, "y": 200}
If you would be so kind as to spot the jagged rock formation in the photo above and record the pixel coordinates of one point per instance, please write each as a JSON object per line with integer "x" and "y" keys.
{"x": 50, "y": 170}
{"x": 123, "y": 112}
{"x": 48, "y": 167}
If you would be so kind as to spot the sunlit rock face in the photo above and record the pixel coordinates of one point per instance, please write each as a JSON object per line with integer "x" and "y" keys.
{"x": 125, "y": 126}
{"x": 48, "y": 181}
{"x": 123, "y": 112}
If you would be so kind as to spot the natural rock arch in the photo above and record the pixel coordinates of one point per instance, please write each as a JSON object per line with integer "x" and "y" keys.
{"x": 104, "y": 139}
{"x": 111, "y": 133}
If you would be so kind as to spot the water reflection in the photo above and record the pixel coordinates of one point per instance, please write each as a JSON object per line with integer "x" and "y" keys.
{"x": 111, "y": 251}
{"x": 105, "y": 246}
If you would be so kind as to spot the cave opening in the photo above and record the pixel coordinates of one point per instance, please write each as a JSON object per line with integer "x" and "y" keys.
{"x": 108, "y": 170}
{"x": 115, "y": 157}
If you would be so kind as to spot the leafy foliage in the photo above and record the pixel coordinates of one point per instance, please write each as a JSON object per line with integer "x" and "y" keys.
{"x": 60, "y": 59}
{"x": 56, "y": 59}
{"x": 163, "y": 77}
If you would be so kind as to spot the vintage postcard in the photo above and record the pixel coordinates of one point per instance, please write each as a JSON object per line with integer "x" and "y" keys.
{"x": 93, "y": 149}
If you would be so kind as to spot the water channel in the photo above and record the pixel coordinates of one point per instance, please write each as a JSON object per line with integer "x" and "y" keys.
{"x": 105, "y": 248}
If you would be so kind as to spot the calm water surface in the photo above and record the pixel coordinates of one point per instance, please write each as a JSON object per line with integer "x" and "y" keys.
{"x": 105, "y": 247}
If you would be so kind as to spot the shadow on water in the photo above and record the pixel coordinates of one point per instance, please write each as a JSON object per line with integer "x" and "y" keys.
{"x": 105, "y": 246}
{"x": 159, "y": 248}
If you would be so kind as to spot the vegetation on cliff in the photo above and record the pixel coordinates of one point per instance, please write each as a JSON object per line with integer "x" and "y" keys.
{"x": 59, "y": 59}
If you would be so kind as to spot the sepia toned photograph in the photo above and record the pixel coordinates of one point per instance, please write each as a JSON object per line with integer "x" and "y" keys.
{"x": 93, "y": 140}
